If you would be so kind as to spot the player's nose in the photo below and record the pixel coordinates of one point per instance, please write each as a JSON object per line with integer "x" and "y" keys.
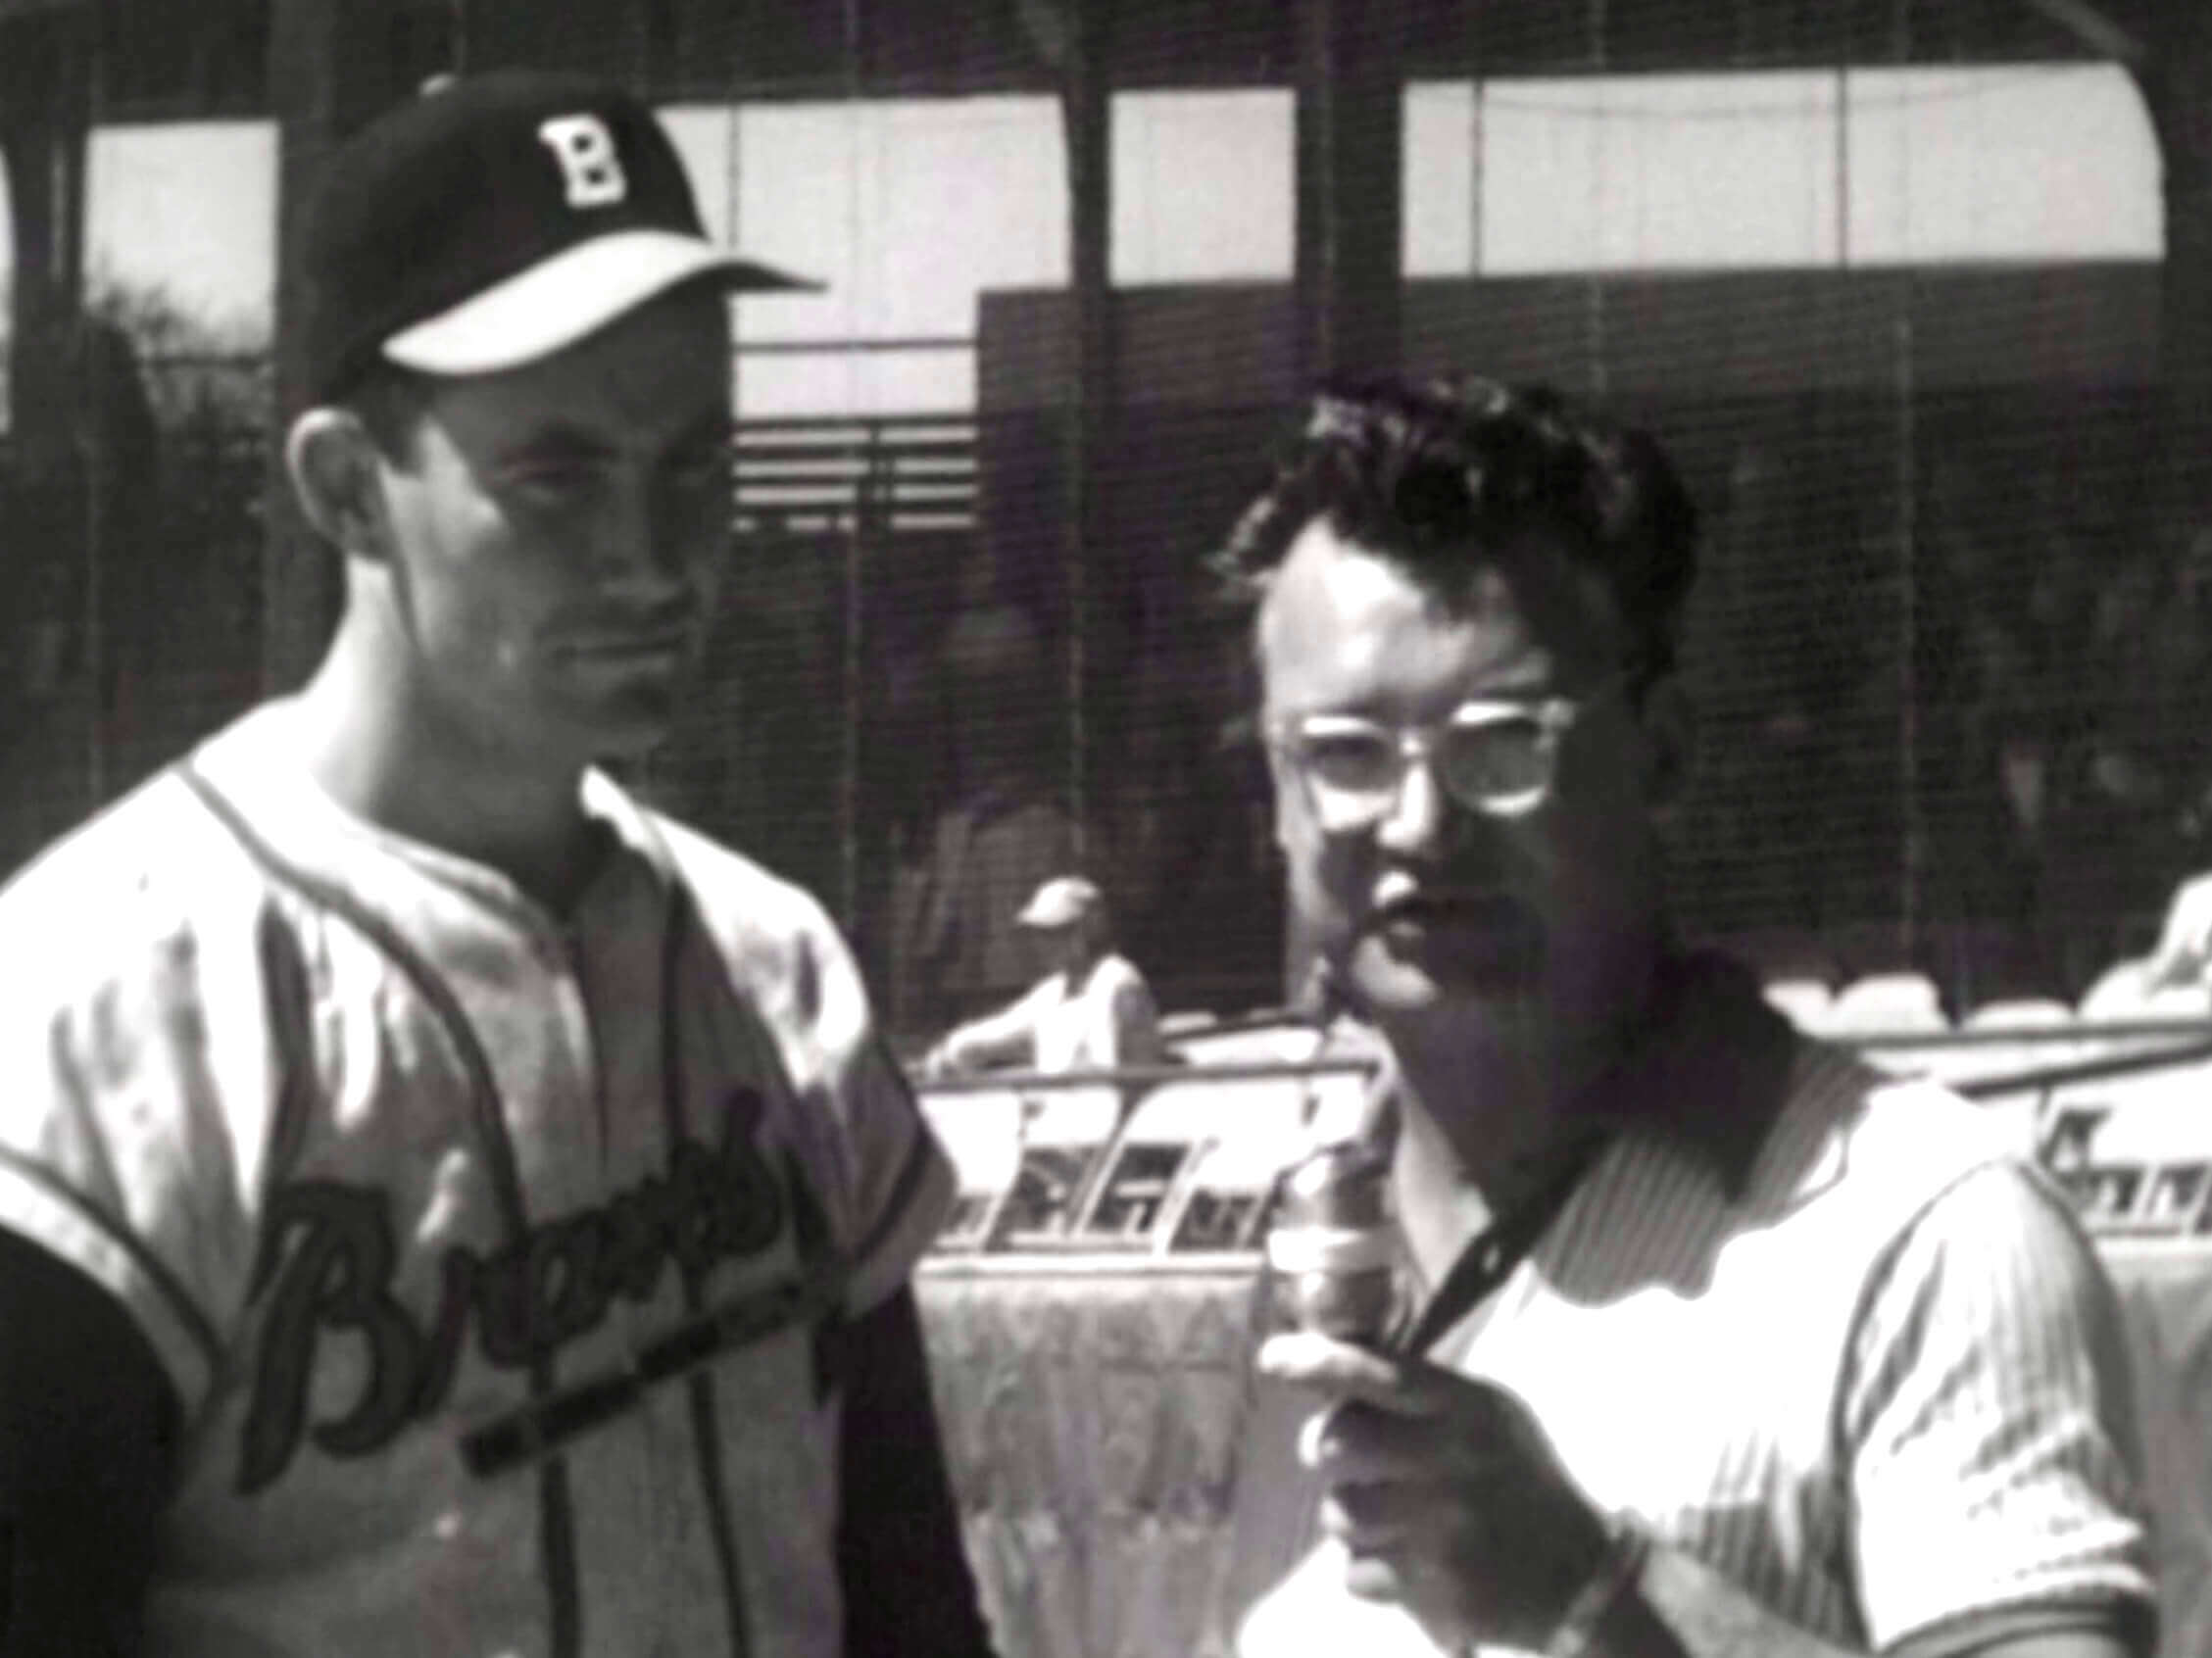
{"x": 641, "y": 542}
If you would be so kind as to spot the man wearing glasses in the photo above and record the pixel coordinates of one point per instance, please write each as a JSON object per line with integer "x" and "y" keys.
{"x": 1710, "y": 1340}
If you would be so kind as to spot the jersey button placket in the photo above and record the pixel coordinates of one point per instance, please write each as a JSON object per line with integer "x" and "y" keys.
{"x": 559, "y": 955}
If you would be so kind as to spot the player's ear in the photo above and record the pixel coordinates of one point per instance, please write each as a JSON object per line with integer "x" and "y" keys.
{"x": 1669, "y": 725}
{"x": 332, "y": 461}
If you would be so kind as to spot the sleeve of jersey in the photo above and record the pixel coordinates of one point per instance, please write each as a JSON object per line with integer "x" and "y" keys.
{"x": 902, "y": 1185}
{"x": 1989, "y": 1422}
{"x": 112, "y": 1150}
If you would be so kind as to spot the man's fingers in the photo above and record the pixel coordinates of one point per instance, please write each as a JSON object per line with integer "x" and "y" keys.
{"x": 1384, "y": 1560}
{"x": 1310, "y": 1359}
{"x": 1354, "y": 1443}
{"x": 1372, "y": 1577}
{"x": 1385, "y": 1518}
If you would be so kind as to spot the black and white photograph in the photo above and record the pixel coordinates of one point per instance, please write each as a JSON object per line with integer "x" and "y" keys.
{"x": 1105, "y": 829}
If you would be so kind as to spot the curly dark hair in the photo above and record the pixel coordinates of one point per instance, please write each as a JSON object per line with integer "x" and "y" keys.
{"x": 1446, "y": 476}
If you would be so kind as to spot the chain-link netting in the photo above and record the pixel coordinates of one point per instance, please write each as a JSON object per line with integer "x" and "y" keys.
{"x": 1952, "y": 682}
{"x": 131, "y": 585}
{"x": 1950, "y": 663}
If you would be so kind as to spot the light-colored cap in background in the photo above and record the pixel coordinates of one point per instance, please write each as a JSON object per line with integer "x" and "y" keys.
{"x": 1061, "y": 901}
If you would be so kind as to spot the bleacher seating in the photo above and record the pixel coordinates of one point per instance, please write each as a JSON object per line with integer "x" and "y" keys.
{"x": 1183, "y": 1160}
{"x": 1186, "y": 1162}
{"x": 981, "y": 1133}
{"x": 2124, "y": 990}
{"x": 1284, "y": 1040}
{"x": 1021, "y": 1154}
{"x": 1881, "y": 1003}
{"x": 1195, "y": 1164}
{"x": 2134, "y": 1148}
{"x": 1806, "y": 1003}
{"x": 1332, "y": 1097}
{"x": 1177, "y": 1028}
{"x": 2009, "y": 1039}
{"x": 2129, "y": 1133}
{"x": 1783, "y": 953}
{"x": 1877, "y": 1009}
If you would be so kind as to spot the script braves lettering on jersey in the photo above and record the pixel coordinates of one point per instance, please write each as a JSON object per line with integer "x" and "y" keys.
{"x": 330, "y": 1258}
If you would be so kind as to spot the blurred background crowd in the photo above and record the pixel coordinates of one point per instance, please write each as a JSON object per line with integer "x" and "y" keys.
{"x": 1962, "y": 729}
{"x": 1905, "y": 286}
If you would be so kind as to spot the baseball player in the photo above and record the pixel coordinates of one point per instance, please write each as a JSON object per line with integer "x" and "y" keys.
{"x": 445, "y": 1206}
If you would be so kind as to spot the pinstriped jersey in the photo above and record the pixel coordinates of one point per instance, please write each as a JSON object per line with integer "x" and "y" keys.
{"x": 497, "y": 1259}
{"x": 1881, "y": 1383}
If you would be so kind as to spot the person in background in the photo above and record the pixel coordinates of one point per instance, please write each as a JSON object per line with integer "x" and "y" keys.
{"x": 1002, "y": 827}
{"x": 1714, "y": 1340}
{"x": 1092, "y": 1011}
{"x": 2183, "y": 952}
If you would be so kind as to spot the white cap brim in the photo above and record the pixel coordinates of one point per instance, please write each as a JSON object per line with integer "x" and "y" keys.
{"x": 558, "y": 301}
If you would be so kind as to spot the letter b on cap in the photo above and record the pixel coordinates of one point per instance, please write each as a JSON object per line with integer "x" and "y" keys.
{"x": 589, "y": 161}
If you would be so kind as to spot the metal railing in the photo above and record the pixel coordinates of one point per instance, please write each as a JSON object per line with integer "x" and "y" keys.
{"x": 1129, "y": 1188}
{"x": 865, "y": 475}
{"x": 1131, "y": 1178}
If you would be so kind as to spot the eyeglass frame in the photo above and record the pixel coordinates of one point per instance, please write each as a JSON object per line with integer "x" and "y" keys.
{"x": 1554, "y": 715}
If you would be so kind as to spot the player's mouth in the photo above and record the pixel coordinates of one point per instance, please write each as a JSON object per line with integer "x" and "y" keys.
{"x": 1486, "y": 921}
{"x": 647, "y": 646}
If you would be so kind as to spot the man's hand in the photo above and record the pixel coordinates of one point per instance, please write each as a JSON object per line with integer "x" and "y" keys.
{"x": 1446, "y": 1494}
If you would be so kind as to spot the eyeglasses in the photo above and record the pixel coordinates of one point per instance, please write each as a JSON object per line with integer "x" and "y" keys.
{"x": 1496, "y": 758}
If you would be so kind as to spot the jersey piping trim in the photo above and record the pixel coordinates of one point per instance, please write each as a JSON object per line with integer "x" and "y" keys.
{"x": 285, "y": 970}
{"x": 706, "y": 1432}
{"x": 904, "y": 1190}
{"x": 188, "y": 1313}
{"x": 557, "y": 1519}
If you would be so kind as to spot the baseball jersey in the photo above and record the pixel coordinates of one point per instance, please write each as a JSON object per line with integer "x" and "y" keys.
{"x": 1109, "y": 1020}
{"x": 497, "y": 1258}
{"x": 1881, "y": 1384}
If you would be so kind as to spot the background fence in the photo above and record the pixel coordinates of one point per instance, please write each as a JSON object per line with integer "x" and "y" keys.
{"x": 1954, "y": 673}
{"x": 1951, "y": 654}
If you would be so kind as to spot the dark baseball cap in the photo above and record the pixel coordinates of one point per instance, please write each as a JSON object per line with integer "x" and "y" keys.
{"x": 493, "y": 221}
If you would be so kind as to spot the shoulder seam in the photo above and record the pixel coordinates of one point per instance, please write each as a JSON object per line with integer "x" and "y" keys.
{"x": 197, "y": 1324}
{"x": 1884, "y": 1265}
